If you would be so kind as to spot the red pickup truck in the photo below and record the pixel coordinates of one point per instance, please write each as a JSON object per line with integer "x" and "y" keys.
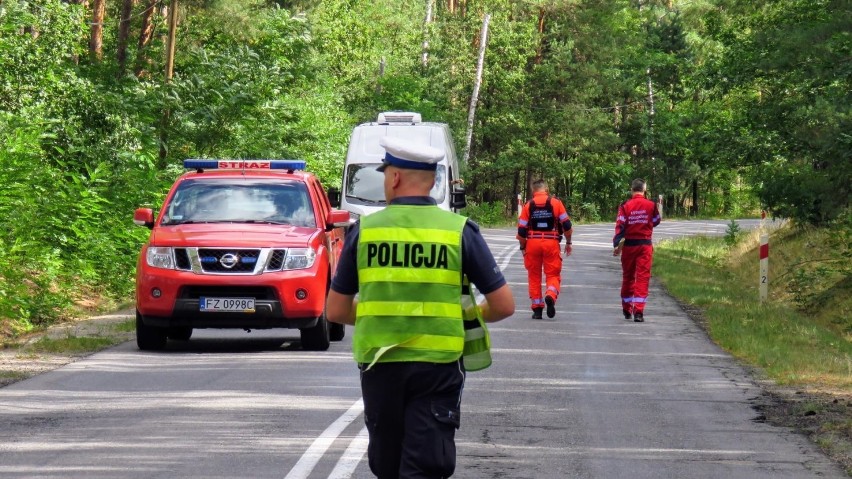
{"x": 245, "y": 244}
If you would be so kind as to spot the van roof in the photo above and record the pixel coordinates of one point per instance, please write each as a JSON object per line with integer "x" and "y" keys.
{"x": 408, "y": 117}
{"x": 364, "y": 143}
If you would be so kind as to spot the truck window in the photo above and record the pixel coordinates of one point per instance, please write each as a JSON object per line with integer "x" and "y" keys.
{"x": 239, "y": 201}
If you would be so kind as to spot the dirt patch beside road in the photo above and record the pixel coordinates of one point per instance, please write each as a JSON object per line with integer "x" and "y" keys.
{"x": 25, "y": 357}
{"x": 824, "y": 417}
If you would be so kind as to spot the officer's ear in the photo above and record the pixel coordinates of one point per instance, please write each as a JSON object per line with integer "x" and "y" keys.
{"x": 396, "y": 177}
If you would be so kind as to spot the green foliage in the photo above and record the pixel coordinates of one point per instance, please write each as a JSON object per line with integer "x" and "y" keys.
{"x": 787, "y": 71}
{"x": 750, "y": 112}
{"x": 488, "y": 214}
{"x": 586, "y": 212}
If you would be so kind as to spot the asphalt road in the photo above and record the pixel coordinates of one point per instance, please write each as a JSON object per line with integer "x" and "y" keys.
{"x": 584, "y": 395}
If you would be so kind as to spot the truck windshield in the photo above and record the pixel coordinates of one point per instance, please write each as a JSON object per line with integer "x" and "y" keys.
{"x": 240, "y": 201}
{"x": 365, "y": 185}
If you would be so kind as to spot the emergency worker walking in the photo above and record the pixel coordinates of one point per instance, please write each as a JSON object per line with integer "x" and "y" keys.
{"x": 542, "y": 224}
{"x": 410, "y": 264}
{"x": 634, "y": 227}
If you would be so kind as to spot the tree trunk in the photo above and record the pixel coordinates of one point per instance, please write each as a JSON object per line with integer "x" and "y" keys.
{"x": 483, "y": 39}
{"x": 170, "y": 44}
{"x": 516, "y": 180}
{"x": 426, "y": 22}
{"x": 145, "y": 35}
{"x": 651, "y": 113}
{"x": 123, "y": 35}
{"x": 97, "y": 31}
{"x": 540, "y": 47}
{"x": 695, "y": 197}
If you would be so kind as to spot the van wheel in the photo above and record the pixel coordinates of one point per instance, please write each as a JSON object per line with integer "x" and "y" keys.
{"x": 180, "y": 333}
{"x": 149, "y": 338}
{"x": 337, "y": 331}
{"x": 316, "y": 338}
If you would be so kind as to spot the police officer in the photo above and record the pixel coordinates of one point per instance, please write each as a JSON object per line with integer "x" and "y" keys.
{"x": 634, "y": 226}
{"x": 407, "y": 264}
{"x": 541, "y": 225}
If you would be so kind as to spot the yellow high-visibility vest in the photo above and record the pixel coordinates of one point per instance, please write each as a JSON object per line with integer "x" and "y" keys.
{"x": 410, "y": 284}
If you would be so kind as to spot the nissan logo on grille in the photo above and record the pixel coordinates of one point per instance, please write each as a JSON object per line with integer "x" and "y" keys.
{"x": 229, "y": 260}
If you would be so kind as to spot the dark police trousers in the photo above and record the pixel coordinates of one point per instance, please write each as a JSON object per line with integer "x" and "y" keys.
{"x": 412, "y": 411}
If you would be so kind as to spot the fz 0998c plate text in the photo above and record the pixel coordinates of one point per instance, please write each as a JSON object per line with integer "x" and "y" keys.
{"x": 226, "y": 305}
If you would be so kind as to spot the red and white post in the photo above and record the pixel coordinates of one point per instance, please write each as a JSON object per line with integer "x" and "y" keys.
{"x": 764, "y": 267}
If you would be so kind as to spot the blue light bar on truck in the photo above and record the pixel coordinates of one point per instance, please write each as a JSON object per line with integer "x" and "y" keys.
{"x": 244, "y": 164}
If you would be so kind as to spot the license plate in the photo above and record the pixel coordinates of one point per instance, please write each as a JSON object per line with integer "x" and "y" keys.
{"x": 227, "y": 305}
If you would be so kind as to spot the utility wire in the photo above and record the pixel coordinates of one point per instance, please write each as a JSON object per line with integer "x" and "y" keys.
{"x": 569, "y": 107}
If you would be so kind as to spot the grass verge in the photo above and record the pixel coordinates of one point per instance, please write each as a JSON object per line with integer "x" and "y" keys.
{"x": 799, "y": 341}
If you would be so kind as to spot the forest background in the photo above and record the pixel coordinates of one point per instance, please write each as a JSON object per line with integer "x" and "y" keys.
{"x": 726, "y": 107}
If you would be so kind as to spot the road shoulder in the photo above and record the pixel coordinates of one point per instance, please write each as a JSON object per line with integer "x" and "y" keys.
{"x": 24, "y": 358}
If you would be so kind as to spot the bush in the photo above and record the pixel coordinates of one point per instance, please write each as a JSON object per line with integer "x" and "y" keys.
{"x": 588, "y": 212}
{"x": 488, "y": 214}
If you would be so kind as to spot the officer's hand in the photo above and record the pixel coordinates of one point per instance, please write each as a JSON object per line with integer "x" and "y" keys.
{"x": 524, "y": 251}
{"x": 616, "y": 251}
{"x": 568, "y": 250}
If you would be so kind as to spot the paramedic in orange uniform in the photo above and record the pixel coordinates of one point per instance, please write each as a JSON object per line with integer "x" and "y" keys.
{"x": 634, "y": 226}
{"x": 542, "y": 224}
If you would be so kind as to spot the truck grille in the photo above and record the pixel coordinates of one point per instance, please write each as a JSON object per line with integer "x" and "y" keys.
{"x": 230, "y": 261}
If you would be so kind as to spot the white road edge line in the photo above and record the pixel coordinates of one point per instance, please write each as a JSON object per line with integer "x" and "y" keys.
{"x": 507, "y": 254}
{"x": 309, "y": 459}
{"x": 350, "y": 459}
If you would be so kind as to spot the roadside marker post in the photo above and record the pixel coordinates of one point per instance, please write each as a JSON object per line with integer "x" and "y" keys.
{"x": 660, "y": 205}
{"x": 764, "y": 267}
{"x": 520, "y": 205}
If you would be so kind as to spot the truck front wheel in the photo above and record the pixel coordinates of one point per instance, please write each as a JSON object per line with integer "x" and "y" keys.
{"x": 316, "y": 338}
{"x": 149, "y": 338}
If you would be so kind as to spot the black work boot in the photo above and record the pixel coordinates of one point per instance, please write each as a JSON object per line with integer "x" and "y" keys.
{"x": 537, "y": 313}
{"x": 551, "y": 306}
{"x": 627, "y": 314}
{"x": 638, "y": 317}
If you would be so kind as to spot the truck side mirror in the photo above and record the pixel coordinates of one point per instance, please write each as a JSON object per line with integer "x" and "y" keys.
{"x": 337, "y": 219}
{"x": 334, "y": 197}
{"x": 457, "y": 199}
{"x": 144, "y": 217}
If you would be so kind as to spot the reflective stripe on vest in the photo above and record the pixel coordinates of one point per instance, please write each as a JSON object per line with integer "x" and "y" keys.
{"x": 477, "y": 341}
{"x": 409, "y": 276}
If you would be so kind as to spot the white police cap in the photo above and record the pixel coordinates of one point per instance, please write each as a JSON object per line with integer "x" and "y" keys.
{"x": 406, "y": 154}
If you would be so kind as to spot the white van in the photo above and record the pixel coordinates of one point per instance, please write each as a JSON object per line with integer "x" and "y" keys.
{"x": 363, "y": 187}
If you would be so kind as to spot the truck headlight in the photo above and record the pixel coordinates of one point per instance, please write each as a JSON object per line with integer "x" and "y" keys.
{"x": 160, "y": 257}
{"x": 299, "y": 258}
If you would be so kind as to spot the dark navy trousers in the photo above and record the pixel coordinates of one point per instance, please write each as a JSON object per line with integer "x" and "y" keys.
{"x": 412, "y": 411}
